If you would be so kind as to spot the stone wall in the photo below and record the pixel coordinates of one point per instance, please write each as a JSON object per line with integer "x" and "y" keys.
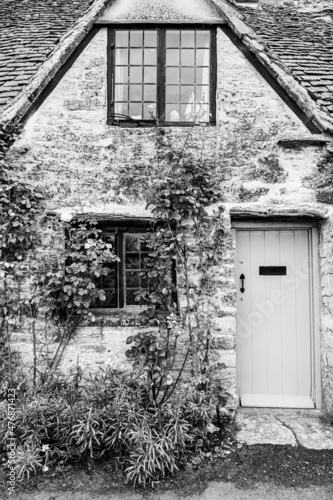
{"x": 81, "y": 162}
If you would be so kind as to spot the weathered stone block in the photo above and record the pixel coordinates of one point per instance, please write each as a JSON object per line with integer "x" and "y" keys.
{"x": 225, "y": 325}
{"x": 227, "y": 359}
{"x": 226, "y": 342}
{"x": 329, "y": 357}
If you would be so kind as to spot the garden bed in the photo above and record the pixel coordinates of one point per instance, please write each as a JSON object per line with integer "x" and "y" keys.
{"x": 246, "y": 467}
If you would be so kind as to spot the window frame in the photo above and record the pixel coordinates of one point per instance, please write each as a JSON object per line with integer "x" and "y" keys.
{"x": 161, "y": 55}
{"x": 120, "y": 266}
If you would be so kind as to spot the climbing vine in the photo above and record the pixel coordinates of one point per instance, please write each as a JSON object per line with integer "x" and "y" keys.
{"x": 186, "y": 237}
{"x": 50, "y": 270}
{"x": 20, "y": 205}
{"x": 47, "y": 282}
{"x": 43, "y": 282}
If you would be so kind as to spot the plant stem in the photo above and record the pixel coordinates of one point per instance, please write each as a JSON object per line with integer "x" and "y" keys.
{"x": 165, "y": 398}
{"x": 34, "y": 347}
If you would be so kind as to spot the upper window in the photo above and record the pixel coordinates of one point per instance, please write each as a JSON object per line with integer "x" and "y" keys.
{"x": 165, "y": 76}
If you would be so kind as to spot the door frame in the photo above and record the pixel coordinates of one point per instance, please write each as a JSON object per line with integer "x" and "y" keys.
{"x": 312, "y": 226}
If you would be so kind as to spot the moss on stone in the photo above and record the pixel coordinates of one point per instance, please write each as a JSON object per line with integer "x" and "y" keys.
{"x": 322, "y": 179}
{"x": 253, "y": 194}
{"x": 269, "y": 170}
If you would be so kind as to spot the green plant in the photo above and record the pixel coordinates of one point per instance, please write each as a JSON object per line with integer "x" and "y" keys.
{"x": 55, "y": 286}
{"x": 149, "y": 420}
{"x": 28, "y": 459}
{"x": 185, "y": 238}
{"x": 154, "y": 356}
{"x": 20, "y": 208}
{"x": 153, "y": 456}
{"x": 110, "y": 415}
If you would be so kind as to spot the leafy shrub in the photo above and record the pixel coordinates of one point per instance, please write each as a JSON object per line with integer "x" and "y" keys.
{"x": 109, "y": 414}
{"x": 28, "y": 459}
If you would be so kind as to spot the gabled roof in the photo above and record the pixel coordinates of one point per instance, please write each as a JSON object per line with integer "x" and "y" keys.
{"x": 36, "y": 38}
{"x": 302, "y": 39}
{"x": 30, "y": 29}
{"x": 296, "y": 47}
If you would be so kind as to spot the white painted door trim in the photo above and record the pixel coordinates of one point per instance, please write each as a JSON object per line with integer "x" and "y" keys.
{"x": 312, "y": 226}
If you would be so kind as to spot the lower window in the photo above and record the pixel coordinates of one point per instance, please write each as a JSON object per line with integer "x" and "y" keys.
{"x": 128, "y": 276}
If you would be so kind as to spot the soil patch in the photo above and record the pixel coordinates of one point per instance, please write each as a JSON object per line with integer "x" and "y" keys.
{"x": 245, "y": 467}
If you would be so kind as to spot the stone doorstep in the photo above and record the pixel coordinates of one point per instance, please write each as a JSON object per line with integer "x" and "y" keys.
{"x": 284, "y": 427}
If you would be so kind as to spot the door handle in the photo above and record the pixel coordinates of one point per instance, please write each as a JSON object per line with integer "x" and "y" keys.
{"x": 242, "y": 278}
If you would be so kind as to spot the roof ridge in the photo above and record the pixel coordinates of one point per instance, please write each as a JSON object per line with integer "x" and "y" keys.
{"x": 18, "y": 107}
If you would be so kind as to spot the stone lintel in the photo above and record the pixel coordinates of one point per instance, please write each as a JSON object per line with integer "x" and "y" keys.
{"x": 255, "y": 211}
{"x": 118, "y": 218}
{"x": 109, "y": 212}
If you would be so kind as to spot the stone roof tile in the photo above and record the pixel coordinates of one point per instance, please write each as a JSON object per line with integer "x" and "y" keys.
{"x": 302, "y": 41}
{"x": 30, "y": 30}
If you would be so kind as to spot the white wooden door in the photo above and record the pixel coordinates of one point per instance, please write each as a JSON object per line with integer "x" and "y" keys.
{"x": 274, "y": 308}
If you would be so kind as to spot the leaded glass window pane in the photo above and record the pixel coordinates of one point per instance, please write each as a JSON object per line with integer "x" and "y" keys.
{"x": 188, "y": 68}
{"x": 135, "y": 64}
{"x": 180, "y": 75}
{"x": 135, "y": 275}
{"x": 108, "y": 283}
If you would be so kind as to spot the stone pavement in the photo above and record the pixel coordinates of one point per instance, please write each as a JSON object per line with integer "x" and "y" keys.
{"x": 305, "y": 428}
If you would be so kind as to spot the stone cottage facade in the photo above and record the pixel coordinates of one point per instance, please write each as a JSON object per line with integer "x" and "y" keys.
{"x": 264, "y": 79}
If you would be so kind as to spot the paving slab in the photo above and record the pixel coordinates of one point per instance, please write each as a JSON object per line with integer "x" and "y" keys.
{"x": 284, "y": 427}
{"x": 310, "y": 432}
{"x": 262, "y": 428}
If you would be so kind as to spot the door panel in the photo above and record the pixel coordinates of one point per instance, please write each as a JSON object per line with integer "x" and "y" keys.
{"x": 274, "y": 317}
{"x": 288, "y": 318}
{"x": 256, "y": 318}
{"x": 245, "y": 355}
{"x": 302, "y": 295}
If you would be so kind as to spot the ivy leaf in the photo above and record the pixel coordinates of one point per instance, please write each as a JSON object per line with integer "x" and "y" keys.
{"x": 187, "y": 222}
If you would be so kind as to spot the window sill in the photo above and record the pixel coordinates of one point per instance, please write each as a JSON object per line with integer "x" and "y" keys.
{"x": 143, "y": 125}
{"x": 130, "y": 316}
{"x": 107, "y": 311}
